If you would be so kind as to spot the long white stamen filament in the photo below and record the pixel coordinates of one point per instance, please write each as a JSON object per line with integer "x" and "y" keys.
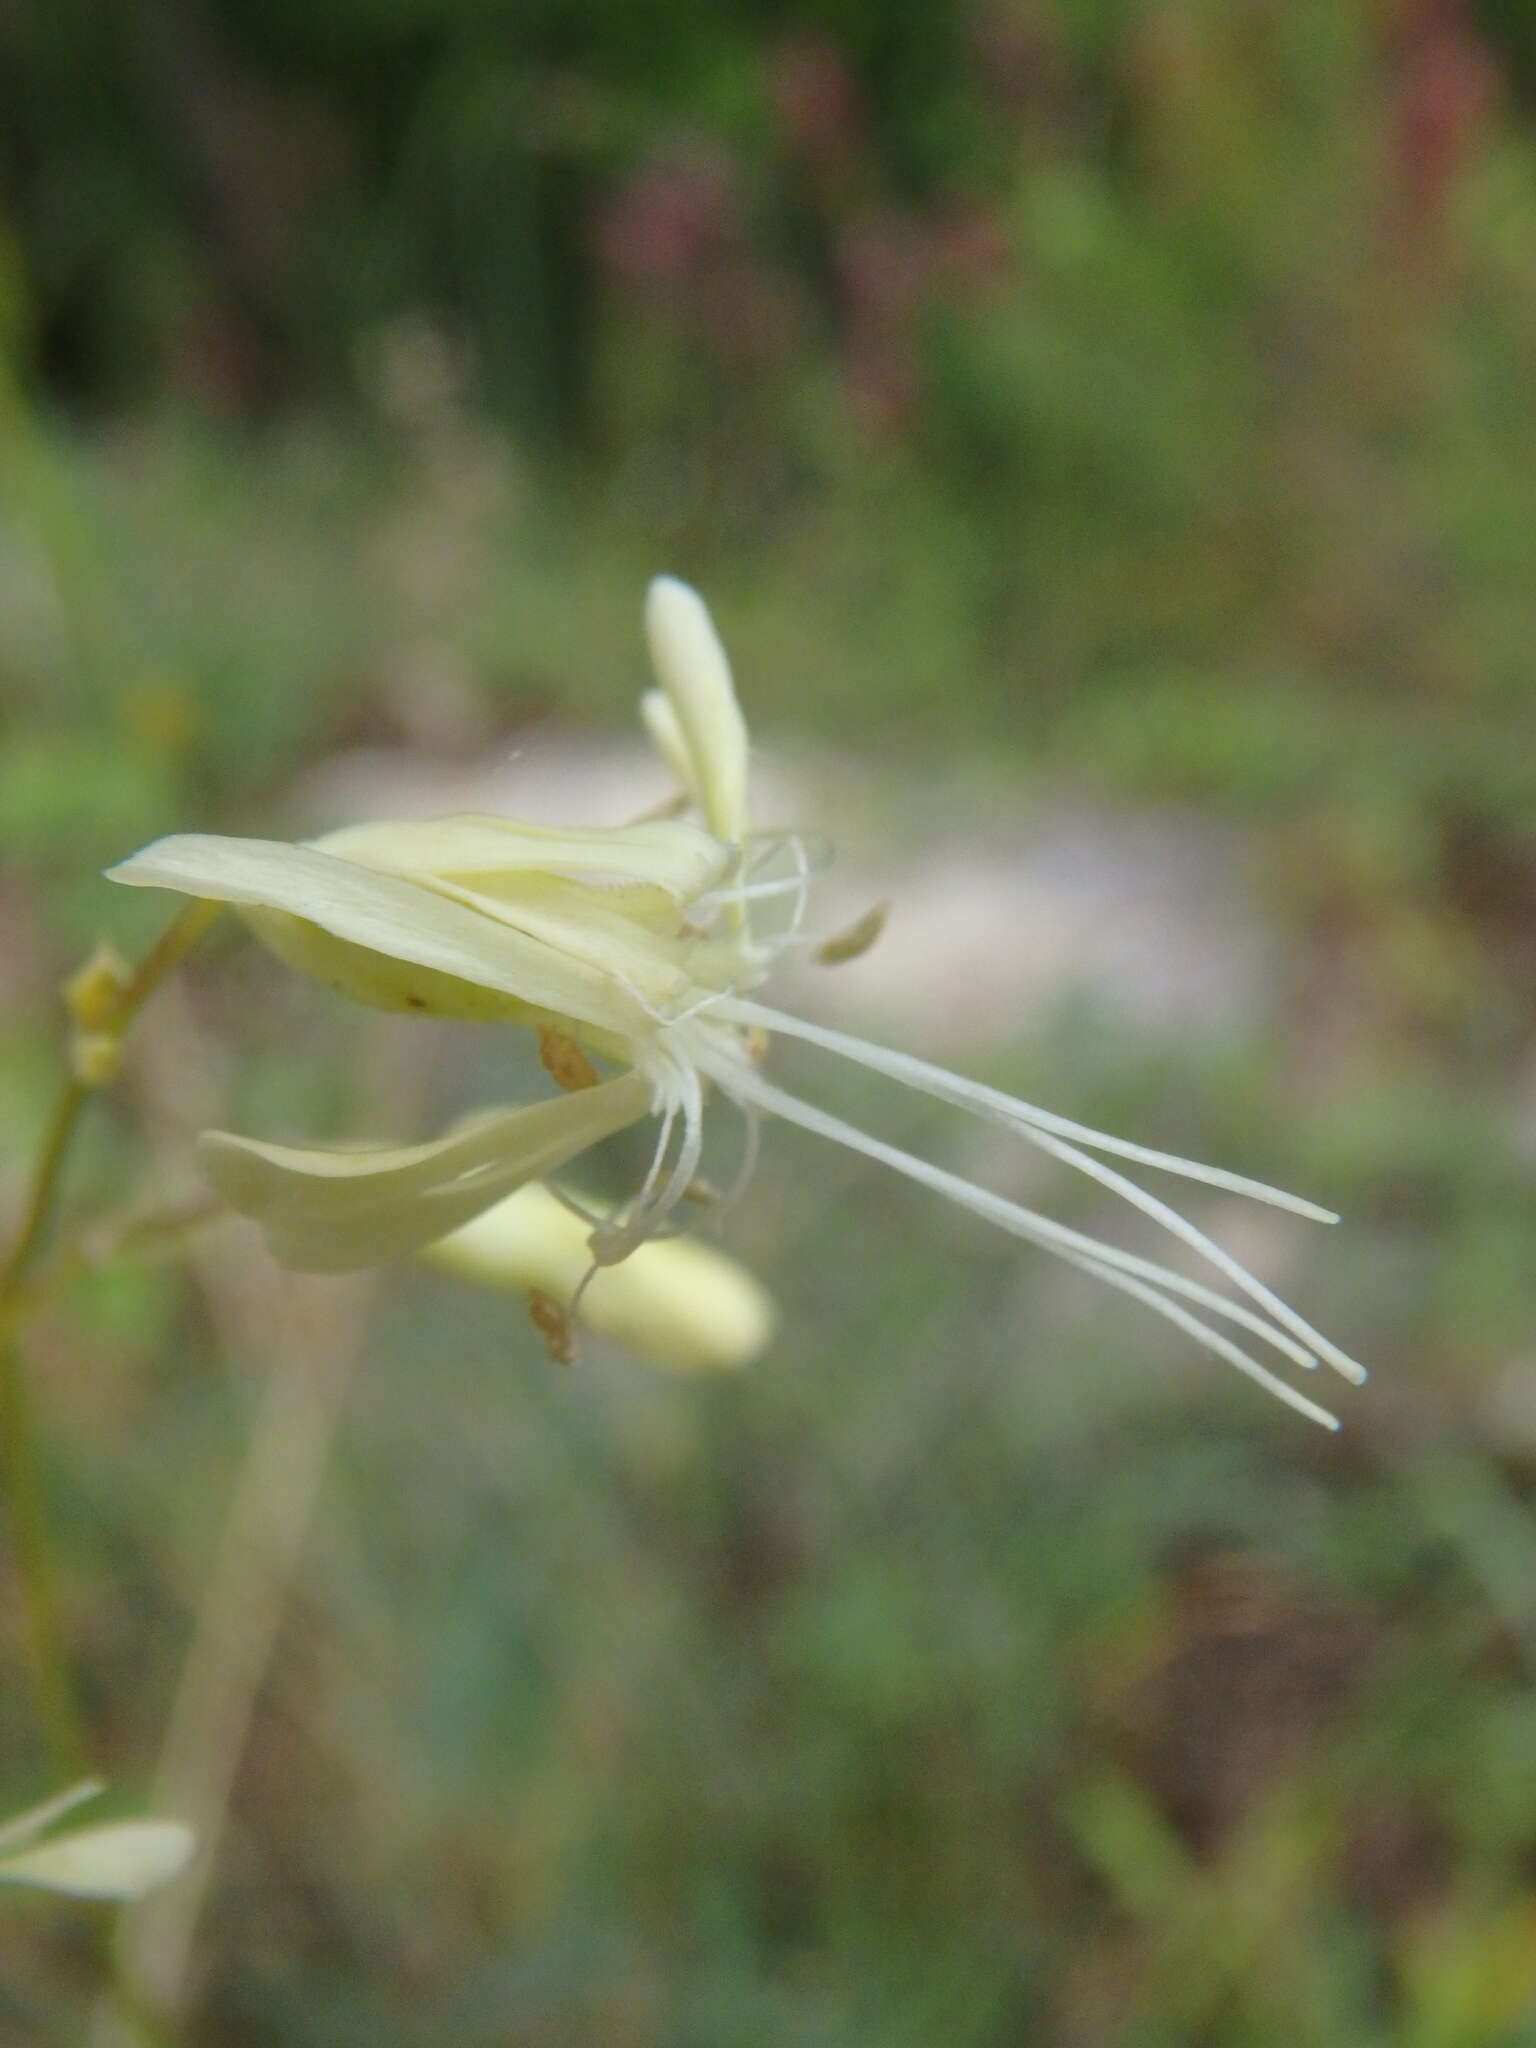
{"x": 1077, "y": 1246}
{"x": 658, "y": 1157}
{"x": 1215, "y": 1304}
{"x": 1103, "y": 1261}
{"x": 1032, "y": 1124}
{"x": 1213, "y": 1340}
{"x": 733, "y": 896}
{"x": 749, "y": 892}
{"x": 1150, "y": 1205}
{"x": 615, "y": 1238}
{"x": 803, "y": 895}
{"x": 993, "y": 1104}
{"x": 691, "y": 1150}
{"x": 720, "y": 1205}
{"x": 1062, "y": 1239}
{"x": 650, "y": 1210}
{"x": 742, "y": 1177}
{"x": 812, "y": 849}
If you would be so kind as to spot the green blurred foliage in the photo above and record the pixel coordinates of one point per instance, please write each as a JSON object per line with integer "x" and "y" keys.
{"x": 1130, "y": 397}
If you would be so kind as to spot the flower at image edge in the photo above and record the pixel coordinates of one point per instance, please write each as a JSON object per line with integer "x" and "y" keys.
{"x": 120, "y": 1860}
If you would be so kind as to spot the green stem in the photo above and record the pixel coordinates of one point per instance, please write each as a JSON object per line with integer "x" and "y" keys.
{"x": 42, "y": 1194}
{"x": 53, "y": 1679}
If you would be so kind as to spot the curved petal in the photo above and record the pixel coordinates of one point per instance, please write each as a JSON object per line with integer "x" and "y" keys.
{"x": 390, "y": 916}
{"x": 666, "y": 736}
{"x": 580, "y": 923}
{"x": 669, "y": 854}
{"x": 329, "y": 1211}
{"x": 692, "y": 668}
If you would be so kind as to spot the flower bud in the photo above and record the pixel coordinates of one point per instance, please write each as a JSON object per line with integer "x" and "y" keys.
{"x": 94, "y": 993}
{"x": 680, "y": 1305}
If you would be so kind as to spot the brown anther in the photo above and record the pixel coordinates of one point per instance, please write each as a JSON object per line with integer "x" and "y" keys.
{"x": 701, "y": 1192}
{"x": 553, "y": 1325}
{"x": 757, "y": 1042}
{"x": 857, "y": 939}
{"x": 564, "y": 1061}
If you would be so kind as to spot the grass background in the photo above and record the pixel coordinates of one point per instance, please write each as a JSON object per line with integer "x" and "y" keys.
{"x": 1120, "y": 406}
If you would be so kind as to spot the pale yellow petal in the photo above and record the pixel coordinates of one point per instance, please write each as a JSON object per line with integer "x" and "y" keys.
{"x": 666, "y": 736}
{"x": 681, "y": 1305}
{"x": 390, "y": 917}
{"x": 666, "y": 853}
{"x": 581, "y": 925}
{"x": 328, "y": 1211}
{"x": 692, "y": 668}
{"x": 380, "y": 980}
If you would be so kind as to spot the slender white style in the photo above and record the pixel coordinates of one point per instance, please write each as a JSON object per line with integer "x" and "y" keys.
{"x": 643, "y": 946}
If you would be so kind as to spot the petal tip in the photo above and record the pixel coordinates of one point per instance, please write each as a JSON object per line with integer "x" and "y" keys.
{"x": 667, "y": 589}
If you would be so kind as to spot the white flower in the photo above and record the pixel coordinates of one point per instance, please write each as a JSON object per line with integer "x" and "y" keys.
{"x": 121, "y": 1859}
{"x": 642, "y": 945}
